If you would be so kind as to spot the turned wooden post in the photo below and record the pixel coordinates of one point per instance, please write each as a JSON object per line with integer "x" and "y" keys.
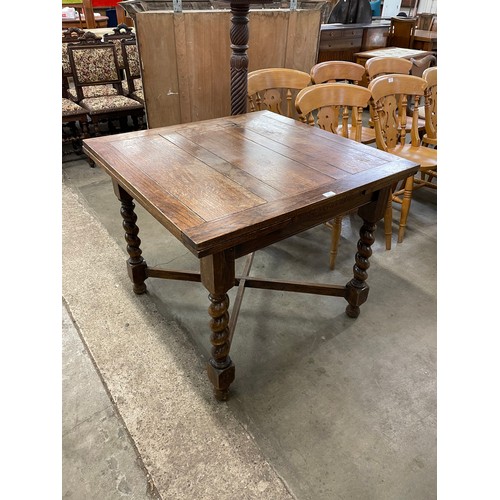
{"x": 217, "y": 274}
{"x": 239, "y": 36}
{"x": 239, "y": 59}
{"x": 357, "y": 289}
{"x": 136, "y": 265}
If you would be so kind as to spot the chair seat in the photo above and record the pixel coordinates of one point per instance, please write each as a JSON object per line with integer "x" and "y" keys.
{"x": 425, "y": 157}
{"x": 137, "y": 85}
{"x": 93, "y": 91}
{"x": 98, "y": 105}
{"x": 70, "y": 108}
{"x": 367, "y": 135}
{"x": 138, "y": 95}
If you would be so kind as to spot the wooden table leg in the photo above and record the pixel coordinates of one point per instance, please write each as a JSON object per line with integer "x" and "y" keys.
{"x": 136, "y": 265}
{"x": 357, "y": 289}
{"x": 217, "y": 274}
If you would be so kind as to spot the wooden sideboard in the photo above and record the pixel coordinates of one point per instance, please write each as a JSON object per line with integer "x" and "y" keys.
{"x": 339, "y": 42}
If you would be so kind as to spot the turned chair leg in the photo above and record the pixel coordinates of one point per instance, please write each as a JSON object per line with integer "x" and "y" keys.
{"x": 388, "y": 223}
{"x": 405, "y": 207}
{"x": 336, "y": 230}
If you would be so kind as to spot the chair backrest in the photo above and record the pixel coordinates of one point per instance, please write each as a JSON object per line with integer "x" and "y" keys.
{"x": 424, "y": 20}
{"x": 119, "y": 33}
{"x": 94, "y": 63}
{"x": 335, "y": 107}
{"x": 275, "y": 89}
{"x": 401, "y": 32}
{"x": 420, "y": 65}
{"x": 69, "y": 35}
{"x": 430, "y": 76}
{"x": 377, "y": 66}
{"x": 132, "y": 64}
{"x": 390, "y": 94}
{"x": 336, "y": 71}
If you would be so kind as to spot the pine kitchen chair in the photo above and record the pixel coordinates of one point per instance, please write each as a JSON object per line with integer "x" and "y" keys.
{"x": 337, "y": 108}
{"x": 390, "y": 94}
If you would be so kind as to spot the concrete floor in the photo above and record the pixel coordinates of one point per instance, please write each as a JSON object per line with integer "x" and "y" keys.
{"x": 323, "y": 407}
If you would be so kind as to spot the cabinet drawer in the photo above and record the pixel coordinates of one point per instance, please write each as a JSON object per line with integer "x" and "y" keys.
{"x": 336, "y": 34}
{"x": 342, "y": 44}
{"x": 339, "y": 34}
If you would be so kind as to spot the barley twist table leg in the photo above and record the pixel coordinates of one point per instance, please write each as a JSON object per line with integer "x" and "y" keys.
{"x": 217, "y": 274}
{"x": 136, "y": 265}
{"x": 221, "y": 369}
{"x": 357, "y": 289}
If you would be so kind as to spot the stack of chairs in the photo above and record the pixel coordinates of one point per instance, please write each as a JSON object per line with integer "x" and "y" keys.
{"x": 94, "y": 76}
{"x": 331, "y": 97}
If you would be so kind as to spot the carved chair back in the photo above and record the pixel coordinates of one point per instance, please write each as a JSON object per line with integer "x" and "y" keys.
{"x": 119, "y": 33}
{"x": 275, "y": 89}
{"x": 94, "y": 63}
{"x": 337, "y": 71}
{"x": 132, "y": 86}
{"x": 377, "y": 66}
{"x": 335, "y": 107}
{"x": 69, "y": 35}
{"x": 390, "y": 94}
{"x": 430, "y": 136}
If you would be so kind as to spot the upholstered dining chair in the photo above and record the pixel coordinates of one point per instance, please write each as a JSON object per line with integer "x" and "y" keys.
{"x": 337, "y": 108}
{"x": 132, "y": 85}
{"x": 119, "y": 33}
{"x": 74, "y": 122}
{"x": 69, "y": 35}
{"x": 390, "y": 93}
{"x": 275, "y": 89}
{"x": 88, "y": 90}
{"x": 95, "y": 64}
{"x": 342, "y": 71}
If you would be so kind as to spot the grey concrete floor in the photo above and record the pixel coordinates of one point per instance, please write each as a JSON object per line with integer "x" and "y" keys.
{"x": 99, "y": 458}
{"x": 323, "y": 406}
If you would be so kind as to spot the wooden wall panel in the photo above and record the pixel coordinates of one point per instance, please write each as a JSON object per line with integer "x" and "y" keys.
{"x": 185, "y": 57}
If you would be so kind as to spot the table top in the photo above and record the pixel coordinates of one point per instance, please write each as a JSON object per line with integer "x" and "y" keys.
{"x": 393, "y": 52}
{"x": 221, "y": 183}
